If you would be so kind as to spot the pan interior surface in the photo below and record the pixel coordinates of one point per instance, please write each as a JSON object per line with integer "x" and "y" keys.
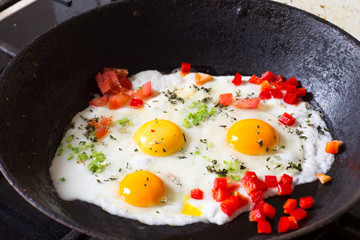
{"x": 51, "y": 80}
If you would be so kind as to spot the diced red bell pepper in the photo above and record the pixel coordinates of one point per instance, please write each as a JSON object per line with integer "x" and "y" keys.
{"x": 298, "y": 214}
{"x": 333, "y": 146}
{"x": 286, "y": 179}
{"x": 306, "y": 202}
{"x": 100, "y": 101}
{"x": 111, "y": 75}
{"x": 293, "y": 223}
{"x": 292, "y": 81}
{"x": 290, "y": 89}
{"x": 264, "y": 227}
{"x": 265, "y": 94}
{"x": 279, "y": 79}
{"x": 118, "y": 100}
{"x": 300, "y": 92}
{"x": 254, "y": 184}
{"x": 237, "y": 79}
{"x": 271, "y": 181}
{"x": 287, "y": 119}
{"x": 255, "y": 80}
{"x": 100, "y": 132}
{"x": 221, "y": 194}
{"x": 291, "y": 98}
{"x": 276, "y": 93}
{"x": 278, "y": 85}
{"x": 104, "y": 121}
{"x": 284, "y": 189}
{"x": 265, "y": 86}
{"x": 256, "y": 196}
{"x": 256, "y": 215}
{"x": 136, "y": 103}
{"x": 269, "y": 211}
{"x": 234, "y": 203}
{"x": 259, "y": 205}
{"x": 290, "y": 205}
{"x": 185, "y": 68}
{"x": 283, "y": 225}
{"x": 225, "y": 99}
{"x": 220, "y": 182}
{"x": 244, "y": 103}
{"x": 269, "y": 76}
{"x": 248, "y": 175}
{"x": 144, "y": 92}
{"x": 196, "y": 193}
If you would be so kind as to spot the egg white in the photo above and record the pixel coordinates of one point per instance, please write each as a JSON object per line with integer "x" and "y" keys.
{"x": 187, "y": 169}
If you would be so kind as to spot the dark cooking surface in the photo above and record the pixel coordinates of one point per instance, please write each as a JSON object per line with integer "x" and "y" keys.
{"x": 18, "y": 218}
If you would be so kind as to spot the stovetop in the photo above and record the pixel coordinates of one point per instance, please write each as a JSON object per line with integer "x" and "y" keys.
{"x": 20, "y": 22}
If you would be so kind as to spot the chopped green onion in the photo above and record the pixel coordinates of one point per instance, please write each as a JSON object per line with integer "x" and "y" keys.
{"x": 197, "y": 152}
{"x": 125, "y": 122}
{"x": 83, "y": 156}
{"x": 62, "y": 179}
{"x": 70, "y": 156}
{"x": 70, "y": 138}
{"x": 60, "y": 151}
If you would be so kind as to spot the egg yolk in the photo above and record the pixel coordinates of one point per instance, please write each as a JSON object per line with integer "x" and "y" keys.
{"x": 159, "y": 137}
{"x": 251, "y": 137}
{"x": 142, "y": 189}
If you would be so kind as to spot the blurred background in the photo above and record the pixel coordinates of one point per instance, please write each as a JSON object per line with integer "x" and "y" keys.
{"x": 23, "y": 20}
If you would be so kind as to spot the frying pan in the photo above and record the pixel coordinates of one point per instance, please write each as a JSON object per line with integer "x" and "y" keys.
{"x": 52, "y": 78}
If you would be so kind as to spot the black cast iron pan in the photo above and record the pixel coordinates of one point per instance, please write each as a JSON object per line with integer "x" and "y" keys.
{"x": 52, "y": 78}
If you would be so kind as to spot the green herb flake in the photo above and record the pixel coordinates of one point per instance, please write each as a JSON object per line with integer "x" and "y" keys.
{"x": 62, "y": 179}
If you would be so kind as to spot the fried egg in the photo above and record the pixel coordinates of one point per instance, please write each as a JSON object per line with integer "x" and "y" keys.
{"x": 152, "y": 157}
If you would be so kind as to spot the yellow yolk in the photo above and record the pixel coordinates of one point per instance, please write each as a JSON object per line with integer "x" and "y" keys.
{"x": 142, "y": 189}
{"x": 159, "y": 137}
{"x": 251, "y": 136}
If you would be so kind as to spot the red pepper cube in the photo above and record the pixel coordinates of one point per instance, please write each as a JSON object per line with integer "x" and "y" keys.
{"x": 286, "y": 179}
{"x": 265, "y": 86}
{"x": 136, "y": 103}
{"x": 293, "y": 223}
{"x": 185, "y": 68}
{"x": 264, "y": 227}
{"x": 256, "y": 196}
{"x": 269, "y": 211}
{"x": 265, "y": 94}
{"x": 290, "y": 205}
{"x": 221, "y": 194}
{"x": 256, "y": 215}
{"x": 271, "y": 181}
{"x": 269, "y": 76}
{"x": 290, "y": 89}
{"x": 287, "y": 119}
{"x": 300, "y": 92}
{"x": 196, "y": 193}
{"x": 306, "y": 202}
{"x": 292, "y": 81}
{"x": 255, "y": 80}
{"x": 279, "y": 78}
{"x": 225, "y": 99}
{"x": 237, "y": 79}
{"x": 234, "y": 203}
{"x": 259, "y": 205}
{"x": 249, "y": 174}
{"x": 100, "y": 101}
{"x": 284, "y": 189}
{"x": 298, "y": 214}
{"x": 220, "y": 183}
{"x": 254, "y": 184}
{"x": 276, "y": 93}
{"x": 283, "y": 225}
{"x": 101, "y": 132}
{"x": 291, "y": 98}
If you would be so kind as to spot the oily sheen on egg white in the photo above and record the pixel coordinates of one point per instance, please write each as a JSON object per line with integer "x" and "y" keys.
{"x": 188, "y": 167}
